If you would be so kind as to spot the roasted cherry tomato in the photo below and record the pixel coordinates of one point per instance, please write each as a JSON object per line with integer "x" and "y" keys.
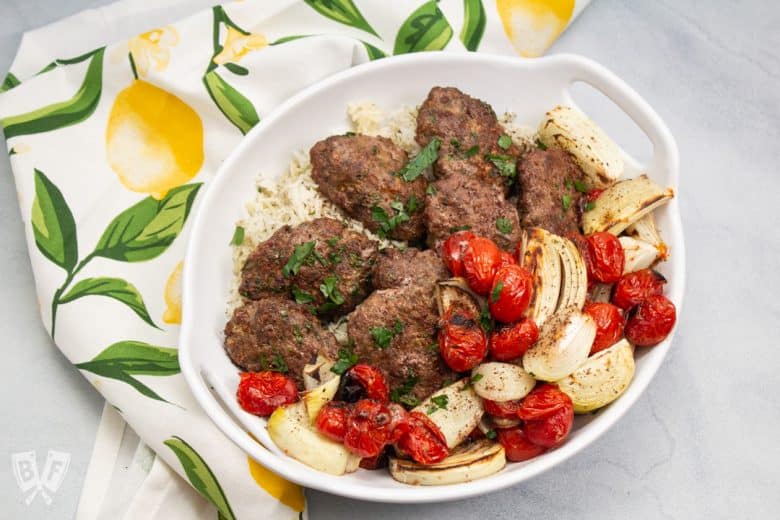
{"x": 398, "y": 415}
{"x": 551, "y": 430}
{"x": 517, "y": 446}
{"x": 372, "y": 380}
{"x": 368, "y": 428}
{"x": 593, "y": 194}
{"x": 422, "y": 440}
{"x": 261, "y": 393}
{"x": 462, "y": 341}
{"x": 481, "y": 260}
{"x": 452, "y": 251}
{"x": 502, "y": 409}
{"x": 510, "y": 341}
{"x": 507, "y": 259}
{"x": 606, "y": 257}
{"x": 332, "y": 420}
{"x": 609, "y": 325}
{"x": 635, "y": 287}
{"x": 651, "y": 321}
{"x": 542, "y": 401}
{"x": 510, "y": 293}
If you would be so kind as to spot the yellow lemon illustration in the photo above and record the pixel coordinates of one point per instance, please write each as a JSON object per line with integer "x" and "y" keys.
{"x": 285, "y": 492}
{"x": 151, "y": 49}
{"x": 172, "y": 295}
{"x": 237, "y": 45}
{"x": 154, "y": 140}
{"x": 532, "y": 25}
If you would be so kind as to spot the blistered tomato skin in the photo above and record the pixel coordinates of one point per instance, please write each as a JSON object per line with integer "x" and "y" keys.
{"x": 332, "y": 420}
{"x": 452, "y": 251}
{"x": 551, "y": 430}
{"x": 372, "y": 380}
{"x": 481, "y": 260}
{"x": 261, "y": 393}
{"x": 510, "y": 341}
{"x": 507, "y": 259}
{"x": 462, "y": 341}
{"x": 503, "y": 410}
{"x": 606, "y": 257}
{"x": 609, "y": 325}
{"x": 510, "y": 293}
{"x": 422, "y": 440}
{"x": 517, "y": 446}
{"x": 651, "y": 321}
{"x": 368, "y": 428}
{"x": 542, "y": 401}
{"x": 635, "y": 287}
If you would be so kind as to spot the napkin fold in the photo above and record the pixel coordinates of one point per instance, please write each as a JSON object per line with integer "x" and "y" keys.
{"x": 112, "y": 144}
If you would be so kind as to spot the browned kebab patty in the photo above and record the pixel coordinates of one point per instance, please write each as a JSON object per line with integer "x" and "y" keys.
{"x": 318, "y": 263}
{"x": 276, "y": 334}
{"x": 396, "y": 267}
{"x": 395, "y": 331}
{"x": 358, "y": 174}
{"x": 548, "y": 197}
{"x": 467, "y": 203}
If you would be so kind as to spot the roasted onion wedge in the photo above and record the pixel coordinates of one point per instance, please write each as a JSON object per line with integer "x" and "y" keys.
{"x": 316, "y": 398}
{"x": 501, "y": 381}
{"x": 596, "y": 154}
{"x": 456, "y": 292}
{"x": 645, "y": 230}
{"x": 455, "y": 409}
{"x": 467, "y": 462}
{"x": 540, "y": 256}
{"x": 638, "y": 254}
{"x": 601, "y": 379}
{"x": 318, "y": 372}
{"x": 563, "y": 345}
{"x": 624, "y": 203}
{"x": 574, "y": 274}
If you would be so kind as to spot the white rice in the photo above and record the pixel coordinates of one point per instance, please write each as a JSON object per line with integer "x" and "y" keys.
{"x": 293, "y": 198}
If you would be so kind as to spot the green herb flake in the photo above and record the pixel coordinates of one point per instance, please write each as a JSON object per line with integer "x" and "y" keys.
{"x": 382, "y": 336}
{"x": 491, "y": 434}
{"x": 321, "y": 259}
{"x": 504, "y": 225}
{"x": 350, "y": 134}
{"x": 403, "y": 394}
{"x": 506, "y": 164}
{"x": 566, "y": 201}
{"x": 299, "y": 256}
{"x": 385, "y": 221}
{"x": 590, "y": 205}
{"x": 398, "y": 327}
{"x": 278, "y": 364}
{"x": 329, "y": 290}
{"x": 475, "y": 378}
{"x": 238, "y": 236}
{"x": 496, "y": 293}
{"x": 332, "y": 241}
{"x": 301, "y": 297}
{"x": 486, "y": 321}
{"x": 455, "y": 143}
{"x": 580, "y": 186}
{"x": 455, "y": 229}
{"x": 347, "y": 359}
{"x": 421, "y": 161}
{"x": 412, "y": 204}
{"x": 474, "y": 150}
{"x": 431, "y": 190}
{"x": 541, "y": 145}
{"x": 504, "y": 142}
{"x": 438, "y": 402}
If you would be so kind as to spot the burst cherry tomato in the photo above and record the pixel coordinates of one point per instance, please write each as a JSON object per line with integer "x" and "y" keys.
{"x": 651, "y": 321}
{"x": 452, "y": 251}
{"x": 510, "y": 293}
{"x": 502, "y": 409}
{"x": 332, "y": 420}
{"x": 462, "y": 341}
{"x": 635, "y": 287}
{"x": 517, "y": 446}
{"x": 372, "y": 380}
{"x": 481, "y": 260}
{"x": 368, "y": 428}
{"x": 593, "y": 194}
{"x": 550, "y": 431}
{"x": 507, "y": 259}
{"x": 543, "y": 400}
{"x": 422, "y": 440}
{"x": 261, "y": 393}
{"x": 606, "y": 257}
{"x": 609, "y": 325}
{"x": 398, "y": 415}
{"x": 509, "y": 342}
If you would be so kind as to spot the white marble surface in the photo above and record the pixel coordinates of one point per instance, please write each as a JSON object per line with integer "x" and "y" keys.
{"x": 702, "y": 441}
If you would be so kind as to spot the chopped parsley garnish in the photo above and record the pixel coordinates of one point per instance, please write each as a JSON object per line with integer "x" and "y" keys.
{"x": 506, "y": 164}
{"x": 421, "y": 161}
{"x": 504, "y": 225}
{"x": 278, "y": 364}
{"x": 541, "y": 145}
{"x": 321, "y": 259}
{"x": 474, "y": 150}
{"x": 455, "y": 143}
{"x": 568, "y": 184}
{"x": 475, "y": 378}
{"x": 504, "y": 141}
{"x": 332, "y": 241}
{"x": 491, "y": 434}
{"x": 580, "y": 186}
{"x": 347, "y": 358}
{"x": 301, "y": 296}
{"x": 590, "y": 205}
{"x": 412, "y": 204}
{"x": 297, "y": 334}
{"x": 433, "y": 347}
{"x": 438, "y": 402}
{"x": 455, "y": 229}
{"x": 330, "y": 291}
{"x": 403, "y": 394}
{"x": 430, "y": 190}
{"x": 238, "y": 236}
{"x": 485, "y": 321}
{"x": 566, "y": 201}
{"x": 299, "y": 256}
{"x": 496, "y": 293}
{"x": 384, "y": 335}
{"x": 385, "y": 221}
{"x": 350, "y": 134}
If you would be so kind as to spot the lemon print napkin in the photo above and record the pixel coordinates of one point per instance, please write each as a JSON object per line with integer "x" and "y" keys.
{"x": 113, "y": 146}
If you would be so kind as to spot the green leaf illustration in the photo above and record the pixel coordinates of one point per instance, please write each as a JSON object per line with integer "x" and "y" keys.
{"x": 342, "y": 11}
{"x": 115, "y": 288}
{"x": 64, "y": 113}
{"x": 122, "y": 360}
{"x": 9, "y": 82}
{"x": 426, "y": 29}
{"x": 474, "y": 20}
{"x": 236, "y": 69}
{"x": 291, "y": 38}
{"x": 146, "y": 229}
{"x": 201, "y": 477}
{"x": 237, "y": 108}
{"x": 374, "y": 53}
{"x": 53, "y": 225}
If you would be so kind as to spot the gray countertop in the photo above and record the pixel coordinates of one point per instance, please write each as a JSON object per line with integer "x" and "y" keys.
{"x": 702, "y": 441}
